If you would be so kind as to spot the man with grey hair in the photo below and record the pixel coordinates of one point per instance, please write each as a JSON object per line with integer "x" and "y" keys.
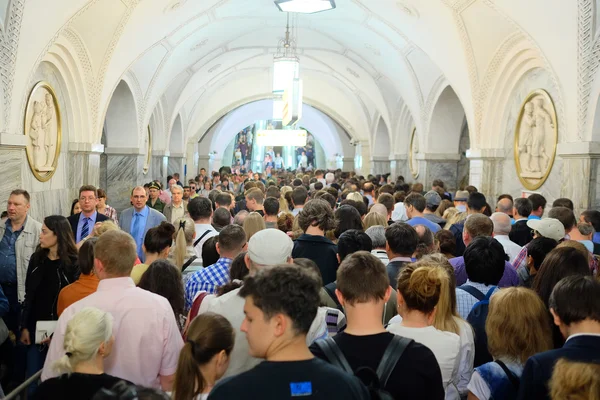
{"x": 240, "y": 217}
{"x": 584, "y": 234}
{"x": 504, "y": 205}
{"x": 377, "y": 235}
{"x": 178, "y": 207}
{"x": 329, "y": 178}
{"x": 502, "y": 228}
{"x": 266, "y": 248}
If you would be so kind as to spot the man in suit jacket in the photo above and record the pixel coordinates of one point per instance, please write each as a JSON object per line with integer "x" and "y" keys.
{"x": 138, "y": 219}
{"x": 520, "y": 233}
{"x": 178, "y": 207}
{"x": 83, "y": 223}
{"x": 576, "y": 310}
{"x": 401, "y": 242}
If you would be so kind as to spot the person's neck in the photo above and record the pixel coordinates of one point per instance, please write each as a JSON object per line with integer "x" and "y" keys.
{"x": 151, "y": 257}
{"x": 53, "y": 252}
{"x": 88, "y": 214}
{"x": 153, "y": 201}
{"x": 139, "y": 210}
{"x": 415, "y": 319}
{"x": 270, "y": 218}
{"x": 209, "y": 375}
{"x": 301, "y": 206}
{"x": 177, "y": 204}
{"x": 294, "y": 349}
{"x": 92, "y": 367}
{"x": 364, "y": 319}
{"x": 17, "y": 224}
{"x": 426, "y": 211}
{"x": 587, "y": 326}
{"x": 315, "y": 231}
{"x": 517, "y": 217}
{"x": 391, "y": 256}
{"x": 203, "y": 221}
{"x": 101, "y": 209}
{"x": 416, "y": 214}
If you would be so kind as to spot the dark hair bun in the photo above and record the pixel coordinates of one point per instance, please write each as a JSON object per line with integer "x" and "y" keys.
{"x": 166, "y": 228}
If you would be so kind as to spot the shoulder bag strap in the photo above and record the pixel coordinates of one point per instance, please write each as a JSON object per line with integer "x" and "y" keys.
{"x": 201, "y": 237}
{"x": 514, "y": 380}
{"x": 188, "y": 263}
{"x": 390, "y": 358}
{"x": 472, "y": 291}
{"x": 333, "y": 353}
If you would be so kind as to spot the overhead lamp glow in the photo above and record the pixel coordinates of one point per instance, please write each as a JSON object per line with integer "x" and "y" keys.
{"x": 305, "y": 6}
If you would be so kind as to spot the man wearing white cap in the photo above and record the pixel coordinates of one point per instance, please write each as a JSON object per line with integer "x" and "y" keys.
{"x": 547, "y": 227}
{"x": 266, "y": 248}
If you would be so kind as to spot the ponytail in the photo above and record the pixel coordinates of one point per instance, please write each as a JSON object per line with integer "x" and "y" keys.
{"x": 189, "y": 381}
{"x": 184, "y": 236}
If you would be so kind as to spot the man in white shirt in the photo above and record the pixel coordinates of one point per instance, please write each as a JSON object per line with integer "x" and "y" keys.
{"x": 148, "y": 341}
{"x": 502, "y": 228}
{"x": 200, "y": 210}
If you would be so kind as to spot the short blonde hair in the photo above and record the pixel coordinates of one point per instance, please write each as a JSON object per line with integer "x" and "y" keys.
{"x": 575, "y": 381}
{"x": 86, "y": 331}
{"x": 106, "y": 226}
{"x": 518, "y": 325}
{"x": 374, "y": 219}
{"x": 253, "y": 223}
{"x": 355, "y": 196}
{"x": 117, "y": 251}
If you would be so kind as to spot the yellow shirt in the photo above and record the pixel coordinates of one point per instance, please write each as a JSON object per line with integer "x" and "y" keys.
{"x": 137, "y": 272}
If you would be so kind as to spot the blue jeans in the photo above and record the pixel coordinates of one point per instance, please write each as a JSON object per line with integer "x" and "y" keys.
{"x": 36, "y": 355}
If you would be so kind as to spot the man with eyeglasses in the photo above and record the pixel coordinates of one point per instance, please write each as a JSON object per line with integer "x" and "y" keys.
{"x": 83, "y": 223}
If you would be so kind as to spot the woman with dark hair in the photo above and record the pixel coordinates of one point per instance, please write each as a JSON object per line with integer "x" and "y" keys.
{"x": 104, "y": 208}
{"x": 347, "y": 217}
{"x": 558, "y": 264}
{"x": 446, "y": 242}
{"x": 52, "y": 267}
{"x": 237, "y": 272}
{"x": 164, "y": 279}
{"x": 75, "y": 207}
{"x": 87, "y": 282}
{"x": 157, "y": 245}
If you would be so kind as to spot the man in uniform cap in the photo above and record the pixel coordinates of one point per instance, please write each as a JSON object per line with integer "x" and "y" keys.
{"x": 153, "y": 200}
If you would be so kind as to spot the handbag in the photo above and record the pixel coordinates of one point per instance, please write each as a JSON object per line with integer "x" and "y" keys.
{"x": 43, "y": 330}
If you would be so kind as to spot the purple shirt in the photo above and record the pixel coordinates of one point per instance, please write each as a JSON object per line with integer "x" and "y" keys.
{"x": 510, "y": 277}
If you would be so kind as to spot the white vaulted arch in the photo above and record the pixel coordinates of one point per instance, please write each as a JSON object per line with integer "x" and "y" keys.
{"x": 121, "y": 119}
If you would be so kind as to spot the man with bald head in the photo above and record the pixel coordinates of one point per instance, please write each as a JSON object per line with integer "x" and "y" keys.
{"x": 502, "y": 228}
{"x": 505, "y": 205}
{"x": 138, "y": 219}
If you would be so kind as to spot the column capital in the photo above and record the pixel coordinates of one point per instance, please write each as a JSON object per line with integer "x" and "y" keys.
{"x": 493, "y": 154}
{"x": 81, "y": 147}
{"x": 402, "y": 156}
{"x": 578, "y": 150}
{"x": 10, "y": 140}
{"x": 160, "y": 153}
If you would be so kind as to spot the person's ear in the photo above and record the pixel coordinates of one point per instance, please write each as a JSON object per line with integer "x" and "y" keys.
{"x": 102, "y": 349}
{"x": 290, "y": 260}
{"x": 388, "y": 294}
{"x": 280, "y": 324}
{"x": 218, "y": 248}
{"x": 247, "y": 261}
{"x": 340, "y": 297}
{"x": 556, "y": 319}
{"x": 337, "y": 255}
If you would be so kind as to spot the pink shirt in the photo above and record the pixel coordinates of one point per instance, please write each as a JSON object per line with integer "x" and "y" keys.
{"x": 147, "y": 339}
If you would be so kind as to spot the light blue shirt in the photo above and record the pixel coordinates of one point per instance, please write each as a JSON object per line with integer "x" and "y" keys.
{"x": 533, "y": 217}
{"x": 139, "y": 236}
{"x": 91, "y": 223}
{"x": 433, "y": 227}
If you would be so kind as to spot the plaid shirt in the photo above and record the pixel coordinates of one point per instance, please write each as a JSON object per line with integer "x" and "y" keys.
{"x": 207, "y": 280}
{"x": 465, "y": 301}
{"x": 521, "y": 260}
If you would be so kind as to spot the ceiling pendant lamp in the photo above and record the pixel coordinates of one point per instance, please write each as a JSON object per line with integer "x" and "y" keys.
{"x": 305, "y": 6}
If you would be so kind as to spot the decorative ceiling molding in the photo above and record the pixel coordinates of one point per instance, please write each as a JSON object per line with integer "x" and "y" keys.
{"x": 588, "y": 60}
{"x": 8, "y": 54}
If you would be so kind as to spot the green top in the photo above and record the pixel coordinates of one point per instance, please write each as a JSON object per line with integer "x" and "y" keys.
{"x": 158, "y": 206}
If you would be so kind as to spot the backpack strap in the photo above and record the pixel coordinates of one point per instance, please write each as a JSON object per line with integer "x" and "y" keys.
{"x": 474, "y": 292}
{"x": 390, "y": 358}
{"x": 330, "y": 289}
{"x": 333, "y": 353}
{"x": 188, "y": 263}
{"x": 514, "y": 380}
{"x": 490, "y": 292}
{"x": 201, "y": 237}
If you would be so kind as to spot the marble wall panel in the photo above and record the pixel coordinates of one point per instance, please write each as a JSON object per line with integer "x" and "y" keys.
{"x": 123, "y": 174}
{"x": 175, "y": 165}
{"x": 158, "y": 169}
{"x": 447, "y": 171}
{"x": 10, "y": 165}
{"x": 379, "y": 167}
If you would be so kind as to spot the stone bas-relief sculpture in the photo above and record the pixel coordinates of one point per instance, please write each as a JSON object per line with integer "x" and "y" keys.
{"x": 43, "y": 129}
{"x": 414, "y": 150}
{"x": 535, "y": 139}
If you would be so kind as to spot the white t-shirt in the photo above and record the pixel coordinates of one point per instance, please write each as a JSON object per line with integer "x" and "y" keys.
{"x": 201, "y": 230}
{"x": 444, "y": 345}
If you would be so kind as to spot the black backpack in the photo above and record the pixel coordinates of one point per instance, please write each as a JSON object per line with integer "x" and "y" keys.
{"x": 477, "y": 317}
{"x": 375, "y": 381}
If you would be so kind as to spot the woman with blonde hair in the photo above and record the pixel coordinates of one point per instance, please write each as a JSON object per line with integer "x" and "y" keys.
{"x": 517, "y": 327}
{"x": 444, "y": 205}
{"x": 88, "y": 341}
{"x": 355, "y": 196}
{"x": 253, "y": 223}
{"x": 374, "y": 219}
{"x": 453, "y": 216}
{"x": 575, "y": 381}
{"x": 204, "y": 358}
{"x": 183, "y": 254}
{"x": 284, "y": 205}
{"x": 419, "y": 291}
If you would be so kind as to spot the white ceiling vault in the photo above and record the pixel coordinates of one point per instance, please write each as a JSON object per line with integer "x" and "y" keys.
{"x": 368, "y": 64}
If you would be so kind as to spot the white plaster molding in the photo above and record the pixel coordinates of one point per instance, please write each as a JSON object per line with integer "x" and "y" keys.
{"x": 578, "y": 149}
{"x": 160, "y": 153}
{"x": 7, "y": 139}
{"x": 177, "y": 155}
{"x": 80, "y": 147}
{"x": 480, "y": 154}
{"x": 437, "y": 157}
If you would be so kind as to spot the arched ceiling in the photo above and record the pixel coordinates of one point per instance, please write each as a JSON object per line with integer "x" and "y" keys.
{"x": 367, "y": 59}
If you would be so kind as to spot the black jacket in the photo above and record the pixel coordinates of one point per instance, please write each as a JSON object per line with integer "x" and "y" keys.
{"x": 322, "y": 251}
{"x": 520, "y": 233}
{"x": 74, "y": 220}
{"x": 34, "y": 280}
{"x": 457, "y": 230}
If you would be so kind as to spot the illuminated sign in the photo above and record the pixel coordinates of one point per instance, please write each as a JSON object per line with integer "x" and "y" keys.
{"x": 281, "y": 137}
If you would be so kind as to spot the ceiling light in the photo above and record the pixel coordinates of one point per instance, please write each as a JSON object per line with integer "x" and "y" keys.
{"x": 305, "y": 6}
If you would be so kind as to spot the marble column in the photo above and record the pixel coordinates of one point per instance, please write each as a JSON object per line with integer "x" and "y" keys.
{"x": 486, "y": 171}
{"x": 176, "y": 164}
{"x": 124, "y": 170}
{"x": 12, "y": 161}
{"x": 380, "y": 165}
{"x": 348, "y": 163}
{"x": 579, "y": 174}
{"x": 158, "y": 167}
{"x": 438, "y": 166}
{"x": 399, "y": 167}
{"x": 362, "y": 158}
{"x": 84, "y": 166}
{"x": 203, "y": 162}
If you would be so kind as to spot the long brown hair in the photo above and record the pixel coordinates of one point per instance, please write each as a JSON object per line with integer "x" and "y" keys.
{"x": 208, "y": 335}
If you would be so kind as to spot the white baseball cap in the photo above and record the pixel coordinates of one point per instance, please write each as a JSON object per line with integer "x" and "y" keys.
{"x": 270, "y": 247}
{"x": 548, "y": 227}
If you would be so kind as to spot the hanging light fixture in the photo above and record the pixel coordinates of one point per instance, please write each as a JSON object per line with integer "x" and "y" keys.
{"x": 286, "y": 65}
{"x": 305, "y": 6}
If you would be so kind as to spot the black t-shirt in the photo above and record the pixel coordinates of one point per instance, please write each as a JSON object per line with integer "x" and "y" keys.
{"x": 311, "y": 379}
{"x": 75, "y": 386}
{"x": 417, "y": 374}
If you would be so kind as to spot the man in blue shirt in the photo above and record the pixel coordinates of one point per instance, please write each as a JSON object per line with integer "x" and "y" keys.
{"x": 539, "y": 204}
{"x": 415, "y": 204}
{"x": 83, "y": 223}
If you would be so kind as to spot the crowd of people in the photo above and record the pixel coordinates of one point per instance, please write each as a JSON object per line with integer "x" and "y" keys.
{"x": 324, "y": 285}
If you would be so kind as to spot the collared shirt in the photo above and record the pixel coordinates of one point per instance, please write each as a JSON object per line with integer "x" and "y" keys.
{"x": 531, "y": 216}
{"x": 91, "y": 222}
{"x": 382, "y": 255}
{"x": 201, "y": 229}
{"x": 147, "y": 338}
{"x": 296, "y": 211}
{"x": 139, "y": 235}
{"x": 509, "y": 278}
{"x": 8, "y": 253}
{"x": 582, "y": 334}
{"x": 465, "y": 301}
{"x": 111, "y": 213}
{"x": 207, "y": 279}
{"x": 433, "y": 227}
{"x": 177, "y": 212}
{"x": 510, "y": 248}
{"x": 83, "y": 287}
